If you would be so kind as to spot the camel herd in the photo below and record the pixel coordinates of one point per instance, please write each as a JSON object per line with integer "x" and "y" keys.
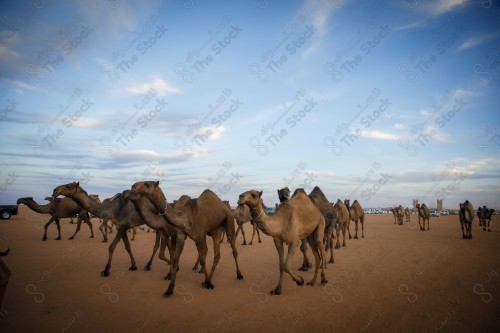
{"x": 301, "y": 221}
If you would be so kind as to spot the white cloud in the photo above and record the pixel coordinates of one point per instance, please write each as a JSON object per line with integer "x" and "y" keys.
{"x": 160, "y": 86}
{"x": 476, "y": 40}
{"x": 375, "y": 134}
{"x": 444, "y": 6}
{"x": 399, "y": 126}
{"x": 87, "y": 122}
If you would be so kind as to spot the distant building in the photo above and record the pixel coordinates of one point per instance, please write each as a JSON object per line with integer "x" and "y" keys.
{"x": 440, "y": 204}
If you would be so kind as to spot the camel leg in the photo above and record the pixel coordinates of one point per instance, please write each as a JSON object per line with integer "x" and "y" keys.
{"x": 258, "y": 233}
{"x": 4, "y": 279}
{"x": 229, "y": 227}
{"x": 329, "y": 243}
{"x": 217, "y": 239}
{"x": 319, "y": 257}
{"x": 122, "y": 229}
{"x": 104, "y": 230}
{"x": 356, "y": 229}
{"x": 78, "y": 224}
{"x": 469, "y": 226}
{"x": 463, "y": 233}
{"x": 279, "y": 247}
{"x": 428, "y": 224}
{"x": 306, "y": 264}
{"x": 343, "y": 235}
{"x": 52, "y": 219}
{"x": 201, "y": 246}
{"x": 174, "y": 262}
{"x": 240, "y": 227}
{"x": 292, "y": 248}
{"x": 126, "y": 242}
{"x": 87, "y": 221}
{"x": 337, "y": 231}
{"x": 155, "y": 248}
{"x": 170, "y": 243}
{"x": 58, "y": 225}
{"x": 348, "y": 227}
{"x": 362, "y": 220}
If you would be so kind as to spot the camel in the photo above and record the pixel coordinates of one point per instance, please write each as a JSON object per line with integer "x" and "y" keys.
{"x": 356, "y": 214}
{"x": 466, "y": 216}
{"x": 59, "y": 208}
{"x": 297, "y": 218}
{"x": 424, "y": 214}
{"x": 4, "y": 276}
{"x": 480, "y": 217}
{"x": 198, "y": 217}
{"x": 486, "y": 215}
{"x": 319, "y": 199}
{"x": 342, "y": 222}
{"x": 407, "y": 215}
{"x": 242, "y": 215}
{"x": 284, "y": 195}
{"x": 117, "y": 209}
{"x": 398, "y": 214}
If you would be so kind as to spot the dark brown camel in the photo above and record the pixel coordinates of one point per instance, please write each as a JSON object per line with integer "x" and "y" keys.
{"x": 205, "y": 215}
{"x": 4, "y": 276}
{"x": 121, "y": 212}
{"x": 59, "y": 208}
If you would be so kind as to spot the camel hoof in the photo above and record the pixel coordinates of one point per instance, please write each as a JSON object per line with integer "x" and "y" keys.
{"x": 92, "y": 236}
{"x": 104, "y": 241}
{"x": 105, "y": 273}
{"x": 44, "y": 238}
{"x": 331, "y": 261}
{"x": 489, "y": 230}
{"x": 311, "y": 283}
{"x": 275, "y": 292}
{"x": 324, "y": 281}
{"x": 344, "y": 244}
{"x": 58, "y": 238}
{"x": 355, "y": 237}
{"x": 260, "y": 241}
{"x": 239, "y": 276}
{"x": 207, "y": 284}
{"x": 301, "y": 282}
{"x": 147, "y": 268}
{"x": 484, "y": 229}
{"x": 304, "y": 268}
{"x": 132, "y": 268}
{"x": 71, "y": 238}
{"x": 244, "y": 244}
{"x": 168, "y": 293}
{"x": 350, "y": 237}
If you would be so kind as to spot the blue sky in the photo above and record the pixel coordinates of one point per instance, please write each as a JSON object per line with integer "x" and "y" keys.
{"x": 380, "y": 101}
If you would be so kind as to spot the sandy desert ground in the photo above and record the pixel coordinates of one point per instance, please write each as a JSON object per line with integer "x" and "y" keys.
{"x": 396, "y": 279}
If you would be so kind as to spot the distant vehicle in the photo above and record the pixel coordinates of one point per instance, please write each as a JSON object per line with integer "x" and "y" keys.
{"x": 269, "y": 210}
{"x": 434, "y": 213}
{"x": 6, "y": 211}
{"x": 444, "y": 212}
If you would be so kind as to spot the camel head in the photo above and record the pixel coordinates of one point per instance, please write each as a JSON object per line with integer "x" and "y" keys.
{"x": 49, "y": 198}
{"x": 251, "y": 198}
{"x": 347, "y": 202}
{"x": 417, "y": 206}
{"x": 284, "y": 194}
{"x": 67, "y": 190}
{"x": 25, "y": 200}
{"x": 146, "y": 188}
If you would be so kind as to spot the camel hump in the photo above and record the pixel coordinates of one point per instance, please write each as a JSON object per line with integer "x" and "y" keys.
{"x": 297, "y": 191}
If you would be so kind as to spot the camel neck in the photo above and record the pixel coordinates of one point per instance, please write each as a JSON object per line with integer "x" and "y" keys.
{"x": 42, "y": 209}
{"x": 88, "y": 203}
{"x": 264, "y": 222}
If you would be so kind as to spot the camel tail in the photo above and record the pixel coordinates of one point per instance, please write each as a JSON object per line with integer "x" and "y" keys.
{"x": 3, "y": 254}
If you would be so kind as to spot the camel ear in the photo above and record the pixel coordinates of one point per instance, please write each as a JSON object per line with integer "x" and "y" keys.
{"x": 77, "y": 184}
{"x": 260, "y": 194}
{"x": 157, "y": 183}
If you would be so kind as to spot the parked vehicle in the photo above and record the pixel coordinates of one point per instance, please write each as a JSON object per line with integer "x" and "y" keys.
{"x": 6, "y": 211}
{"x": 444, "y": 212}
{"x": 434, "y": 213}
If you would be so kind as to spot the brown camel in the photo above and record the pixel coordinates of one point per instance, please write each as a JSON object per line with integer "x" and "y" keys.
{"x": 487, "y": 213}
{"x": 424, "y": 214}
{"x": 319, "y": 199}
{"x": 4, "y": 276}
{"x": 205, "y": 215}
{"x": 297, "y": 218}
{"x": 407, "y": 215}
{"x": 480, "y": 217}
{"x": 342, "y": 222}
{"x": 466, "y": 216}
{"x": 398, "y": 214}
{"x": 59, "y": 208}
{"x": 356, "y": 214}
{"x": 117, "y": 209}
{"x": 284, "y": 195}
{"x": 242, "y": 215}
